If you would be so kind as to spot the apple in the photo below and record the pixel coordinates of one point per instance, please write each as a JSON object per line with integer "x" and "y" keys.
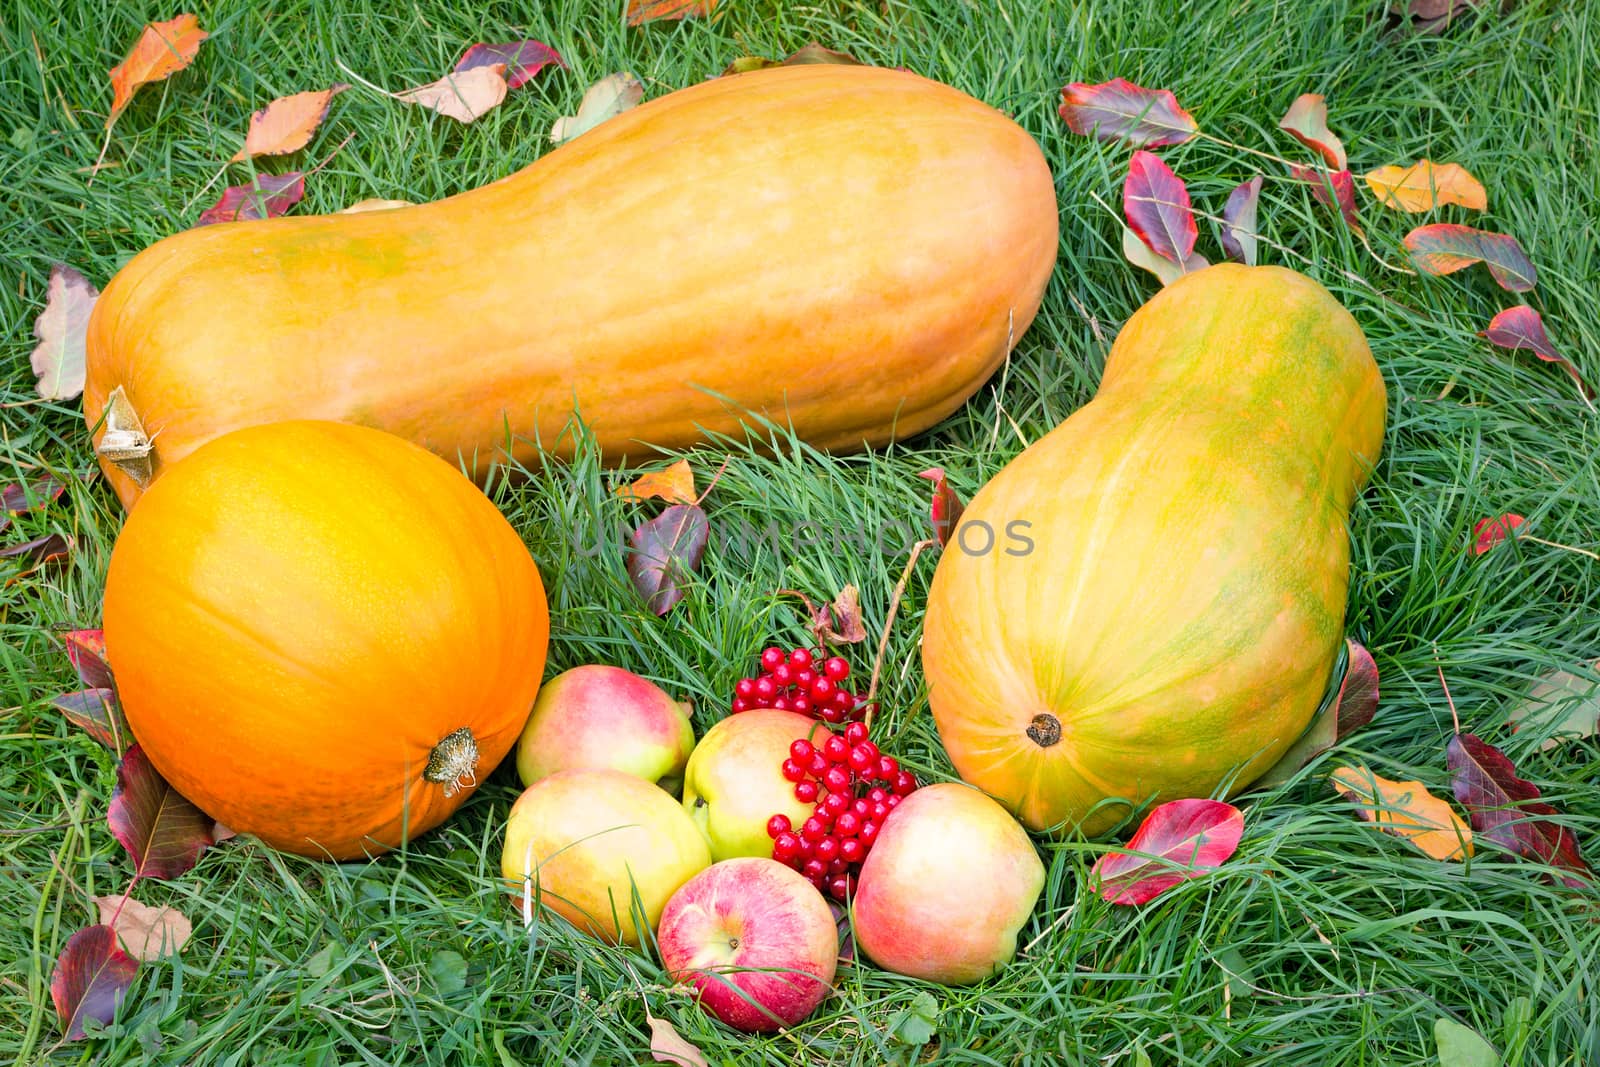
{"x": 946, "y": 887}
{"x": 754, "y": 940}
{"x": 582, "y": 842}
{"x": 600, "y": 716}
{"x": 734, "y": 781}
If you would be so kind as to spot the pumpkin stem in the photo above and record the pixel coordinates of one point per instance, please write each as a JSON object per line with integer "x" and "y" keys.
{"x": 1044, "y": 730}
{"x": 453, "y": 762}
{"x": 125, "y": 444}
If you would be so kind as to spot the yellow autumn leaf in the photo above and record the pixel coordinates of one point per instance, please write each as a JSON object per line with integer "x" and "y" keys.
{"x": 1407, "y": 810}
{"x": 675, "y": 485}
{"x": 1424, "y": 185}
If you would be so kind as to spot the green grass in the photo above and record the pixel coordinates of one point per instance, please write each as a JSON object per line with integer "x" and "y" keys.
{"x": 1320, "y": 943}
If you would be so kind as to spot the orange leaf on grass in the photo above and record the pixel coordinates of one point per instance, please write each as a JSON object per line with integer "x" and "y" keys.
{"x": 1406, "y": 810}
{"x": 1119, "y": 110}
{"x": 1425, "y": 185}
{"x": 640, "y": 11}
{"x": 675, "y": 485}
{"x": 163, "y": 49}
{"x": 1444, "y": 248}
{"x": 1307, "y": 120}
{"x": 286, "y": 124}
{"x": 1486, "y": 533}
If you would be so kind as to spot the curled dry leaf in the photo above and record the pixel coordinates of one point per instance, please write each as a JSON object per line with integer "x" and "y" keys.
{"x": 92, "y": 976}
{"x": 1119, "y": 110}
{"x": 668, "y": 1046}
{"x": 163, "y": 832}
{"x": 1337, "y": 190}
{"x": 1523, "y": 327}
{"x": 1238, "y": 234}
{"x": 465, "y": 96}
{"x": 1307, "y": 120}
{"x": 674, "y": 484}
{"x": 946, "y": 509}
{"x": 606, "y": 98}
{"x": 146, "y": 932}
{"x": 1407, "y": 810}
{"x": 1561, "y": 706}
{"x": 1157, "y": 206}
{"x": 373, "y": 204}
{"x": 61, "y": 329}
{"x": 521, "y": 60}
{"x": 1352, "y": 707}
{"x": 1141, "y": 255}
{"x": 163, "y": 49}
{"x": 641, "y": 11}
{"x": 838, "y": 623}
{"x": 286, "y": 124}
{"x": 1486, "y": 533}
{"x": 1179, "y": 840}
{"x": 666, "y": 554}
{"x": 1444, "y": 248}
{"x": 97, "y": 713}
{"x": 1507, "y": 810}
{"x": 271, "y": 196}
{"x": 1425, "y": 185}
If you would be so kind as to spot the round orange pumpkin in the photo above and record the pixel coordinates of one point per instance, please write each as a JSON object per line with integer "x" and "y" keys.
{"x": 323, "y": 635}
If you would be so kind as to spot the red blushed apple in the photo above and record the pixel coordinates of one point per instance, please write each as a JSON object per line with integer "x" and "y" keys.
{"x": 755, "y": 941}
{"x": 596, "y": 716}
{"x": 946, "y": 887}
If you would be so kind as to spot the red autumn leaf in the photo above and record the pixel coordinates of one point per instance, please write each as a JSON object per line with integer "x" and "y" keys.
{"x": 1358, "y": 693}
{"x": 59, "y": 359}
{"x": 666, "y": 554}
{"x": 640, "y": 11}
{"x": 521, "y": 59}
{"x": 160, "y": 828}
{"x": 1337, "y": 190}
{"x": 1239, "y": 222}
{"x": 271, "y": 196}
{"x": 1180, "y": 840}
{"x": 1506, "y": 809}
{"x": 1307, "y": 120}
{"x": 1119, "y": 110}
{"x": 1156, "y": 202}
{"x": 1522, "y": 327}
{"x": 946, "y": 508}
{"x": 19, "y": 498}
{"x": 98, "y": 713}
{"x": 286, "y": 124}
{"x": 1446, "y": 247}
{"x": 1486, "y": 533}
{"x": 86, "y": 649}
{"x": 92, "y": 976}
{"x": 163, "y": 49}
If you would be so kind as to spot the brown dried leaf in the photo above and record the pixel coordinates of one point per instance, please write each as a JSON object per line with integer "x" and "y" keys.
{"x": 464, "y": 97}
{"x": 839, "y": 623}
{"x": 163, "y": 49}
{"x": 61, "y": 329}
{"x": 1507, "y": 810}
{"x": 665, "y": 555}
{"x": 373, "y": 204}
{"x": 668, "y": 1046}
{"x": 146, "y": 933}
{"x": 286, "y": 124}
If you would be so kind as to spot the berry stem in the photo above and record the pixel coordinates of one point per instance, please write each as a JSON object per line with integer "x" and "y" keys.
{"x": 888, "y": 623}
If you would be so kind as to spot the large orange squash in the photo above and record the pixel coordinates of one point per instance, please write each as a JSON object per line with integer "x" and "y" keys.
{"x": 1162, "y": 596}
{"x": 845, "y": 250}
{"x": 323, "y": 635}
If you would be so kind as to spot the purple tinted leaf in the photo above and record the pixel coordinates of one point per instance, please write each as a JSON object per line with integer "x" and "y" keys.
{"x": 1239, "y": 222}
{"x": 271, "y": 196}
{"x": 1337, "y": 190}
{"x": 92, "y": 976}
{"x": 1446, "y": 247}
{"x": 160, "y": 828}
{"x": 1119, "y": 110}
{"x": 1177, "y": 841}
{"x": 1358, "y": 693}
{"x": 1156, "y": 202}
{"x": 86, "y": 649}
{"x": 666, "y": 554}
{"x": 21, "y": 497}
{"x": 36, "y": 553}
{"x": 522, "y": 59}
{"x": 1506, "y": 809}
{"x": 98, "y": 714}
{"x": 1522, "y": 327}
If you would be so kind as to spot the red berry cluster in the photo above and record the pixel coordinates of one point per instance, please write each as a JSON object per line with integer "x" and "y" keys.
{"x": 796, "y": 681}
{"x": 854, "y": 787}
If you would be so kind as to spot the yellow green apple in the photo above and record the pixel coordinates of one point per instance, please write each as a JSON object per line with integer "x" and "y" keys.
{"x": 734, "y": 781}
{"x": 581, "y": 843}
{"x": 601, "y": 716}
{"x": 946, "y": 887}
